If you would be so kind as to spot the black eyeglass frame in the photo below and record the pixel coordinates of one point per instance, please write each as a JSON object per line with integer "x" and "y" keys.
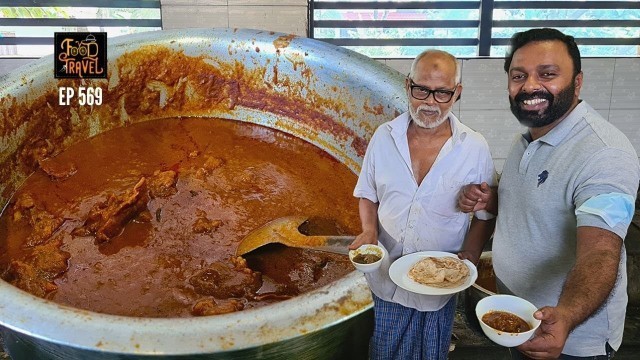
{"x": 450, "y": 93}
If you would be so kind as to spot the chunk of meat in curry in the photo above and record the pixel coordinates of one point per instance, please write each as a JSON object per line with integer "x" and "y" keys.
{"x": 209, "y": 306}
{"x": 108, "y": 219}
{"x": 227, "y": 280}
{"x": 163, "y": 183}
{"x": 204, "y": 224}
{"x": 57, "y": 171}
{"x": 43, "y": 223}
{"x": 36, "y": 271}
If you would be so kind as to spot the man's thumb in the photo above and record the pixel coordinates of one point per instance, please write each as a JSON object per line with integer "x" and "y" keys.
{"x": 543, "y": 314}
{"x": 485, "y": 187}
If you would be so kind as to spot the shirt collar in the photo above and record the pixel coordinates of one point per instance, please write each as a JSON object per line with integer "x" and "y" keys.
{"x": 558, "y": 133}
{"x": 400, "y": 125}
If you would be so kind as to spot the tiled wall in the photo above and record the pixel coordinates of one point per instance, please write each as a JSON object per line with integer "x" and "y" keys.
{"x": 289, "y": 16}
{"x": 611, "y": 86}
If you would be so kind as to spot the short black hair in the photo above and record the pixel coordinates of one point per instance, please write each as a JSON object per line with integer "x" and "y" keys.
{"x": 520, "y": 39}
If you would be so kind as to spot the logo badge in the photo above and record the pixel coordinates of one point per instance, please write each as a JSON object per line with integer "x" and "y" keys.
{"x": 80, "y": 55}
{"x": 542, "y": 177}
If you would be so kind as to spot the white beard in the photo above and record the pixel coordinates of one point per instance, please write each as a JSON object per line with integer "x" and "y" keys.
{"x": 428, "y": 125}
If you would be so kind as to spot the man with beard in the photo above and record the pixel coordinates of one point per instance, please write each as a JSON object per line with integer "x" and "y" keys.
{"x": 566, "y": 198}
{"x": 413, "y": 169}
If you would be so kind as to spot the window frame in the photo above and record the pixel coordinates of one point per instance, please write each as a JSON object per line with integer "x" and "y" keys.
{"x": 485, "y": 24}
{"x": 53, "y": 22}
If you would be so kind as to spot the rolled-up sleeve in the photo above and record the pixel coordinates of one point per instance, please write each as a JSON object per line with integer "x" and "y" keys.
{"x": 610, "y": 171}
{"x": 487, "y": 173}
{"x": 366, "y": 185}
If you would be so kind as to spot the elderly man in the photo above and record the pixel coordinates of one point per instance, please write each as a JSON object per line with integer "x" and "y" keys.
{"x": 413, "y": 170}
{"x": 566, "y": 199}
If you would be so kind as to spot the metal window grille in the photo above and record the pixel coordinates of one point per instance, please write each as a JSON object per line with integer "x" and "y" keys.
{"x": 27, "y": 26}
{"x": 472, "y": 27}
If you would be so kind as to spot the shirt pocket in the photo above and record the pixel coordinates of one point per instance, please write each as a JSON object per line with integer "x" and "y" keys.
{"x": 445, "y": 198}
{"x": 445, "y": 223}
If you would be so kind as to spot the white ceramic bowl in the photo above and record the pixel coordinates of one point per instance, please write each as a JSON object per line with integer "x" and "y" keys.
{"x": 368, "y": 249}
{"x": 514, "y": 305}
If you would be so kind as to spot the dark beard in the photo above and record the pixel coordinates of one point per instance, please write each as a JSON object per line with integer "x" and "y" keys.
{"x": 558, "y": 106}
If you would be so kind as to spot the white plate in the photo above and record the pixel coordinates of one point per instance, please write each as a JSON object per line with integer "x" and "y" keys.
{"x": 399, "y": 274}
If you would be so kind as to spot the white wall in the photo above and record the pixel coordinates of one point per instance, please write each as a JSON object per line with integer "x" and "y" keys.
{"x": 611, "y": 86}
{"x": 288, "y": 16}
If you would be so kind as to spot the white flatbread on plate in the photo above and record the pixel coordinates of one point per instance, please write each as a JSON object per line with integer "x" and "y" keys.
{"x": 400, "y": 268}
{"x": 442, "y": 272}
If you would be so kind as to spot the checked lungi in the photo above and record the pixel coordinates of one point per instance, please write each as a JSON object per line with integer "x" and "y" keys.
{"x": 403, "y": 333}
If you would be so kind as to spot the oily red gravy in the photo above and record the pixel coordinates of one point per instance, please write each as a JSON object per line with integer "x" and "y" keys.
{"x": 144, "y": 220}
{"x": 366, "y": 258}
{"x": 505, "y": 321}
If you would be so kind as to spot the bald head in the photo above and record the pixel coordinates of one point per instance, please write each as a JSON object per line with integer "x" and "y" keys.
{"x": 435, "y": 60}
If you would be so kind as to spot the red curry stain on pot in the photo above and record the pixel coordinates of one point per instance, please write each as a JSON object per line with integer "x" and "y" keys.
{"x": 283, "y": 41}
{"x": 186, "y": 84}
{"x": 223, "y": 87}
{"x": 376, "y": 110}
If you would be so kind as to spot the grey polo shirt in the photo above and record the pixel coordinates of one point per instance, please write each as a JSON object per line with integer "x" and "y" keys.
{"x": 542, "y": 184}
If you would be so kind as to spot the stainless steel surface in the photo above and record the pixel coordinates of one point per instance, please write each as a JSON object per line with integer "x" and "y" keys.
{"x": 359, "y": 93}
{"x": 469, "y": 343}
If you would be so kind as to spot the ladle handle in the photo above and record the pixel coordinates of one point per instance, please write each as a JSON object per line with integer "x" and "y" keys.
{"x": 333, "y": 244}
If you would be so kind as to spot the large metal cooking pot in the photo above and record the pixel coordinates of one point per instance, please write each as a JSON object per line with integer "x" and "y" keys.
{"x": 329, "y": 96}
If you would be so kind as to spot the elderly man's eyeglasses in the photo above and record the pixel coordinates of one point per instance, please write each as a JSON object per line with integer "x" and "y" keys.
{"x": 422, "y": 93}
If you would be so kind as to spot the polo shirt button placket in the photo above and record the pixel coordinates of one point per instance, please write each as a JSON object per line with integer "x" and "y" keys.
{"x": 528, "y": 154}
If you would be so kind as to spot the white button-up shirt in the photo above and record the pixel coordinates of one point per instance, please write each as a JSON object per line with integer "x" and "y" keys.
{"x": 416, "y": 217}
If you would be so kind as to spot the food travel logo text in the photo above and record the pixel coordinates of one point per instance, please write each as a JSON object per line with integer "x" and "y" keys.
{"x": 80, "y": 55}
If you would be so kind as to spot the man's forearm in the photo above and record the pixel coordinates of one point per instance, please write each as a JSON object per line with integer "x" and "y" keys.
{"x": 492, "y": 204}
{"x": 593, "y": 276}
{"x": 479, "y": 232}
{"x": 368, "y": 215}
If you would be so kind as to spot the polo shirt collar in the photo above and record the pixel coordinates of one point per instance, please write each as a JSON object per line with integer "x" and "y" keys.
{"x": 558, "y": 133}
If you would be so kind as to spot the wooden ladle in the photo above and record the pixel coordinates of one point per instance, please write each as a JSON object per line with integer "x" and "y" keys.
{"x": 285, "y": 231}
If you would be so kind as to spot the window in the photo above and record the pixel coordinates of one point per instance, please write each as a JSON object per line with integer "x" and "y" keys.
{"x": 26, "y": 30}
{"x": 469, "y": 28}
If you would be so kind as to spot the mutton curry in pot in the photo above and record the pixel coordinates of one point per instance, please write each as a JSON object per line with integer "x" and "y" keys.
{"x": 143, "y": 220}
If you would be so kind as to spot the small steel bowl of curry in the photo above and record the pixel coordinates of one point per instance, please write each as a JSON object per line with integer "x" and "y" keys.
{"x": 367, "y": 258}
{"x": 507, "y": 320}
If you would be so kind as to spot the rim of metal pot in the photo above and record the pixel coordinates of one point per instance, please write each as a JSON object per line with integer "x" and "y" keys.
{"x": 42, "y": 319}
